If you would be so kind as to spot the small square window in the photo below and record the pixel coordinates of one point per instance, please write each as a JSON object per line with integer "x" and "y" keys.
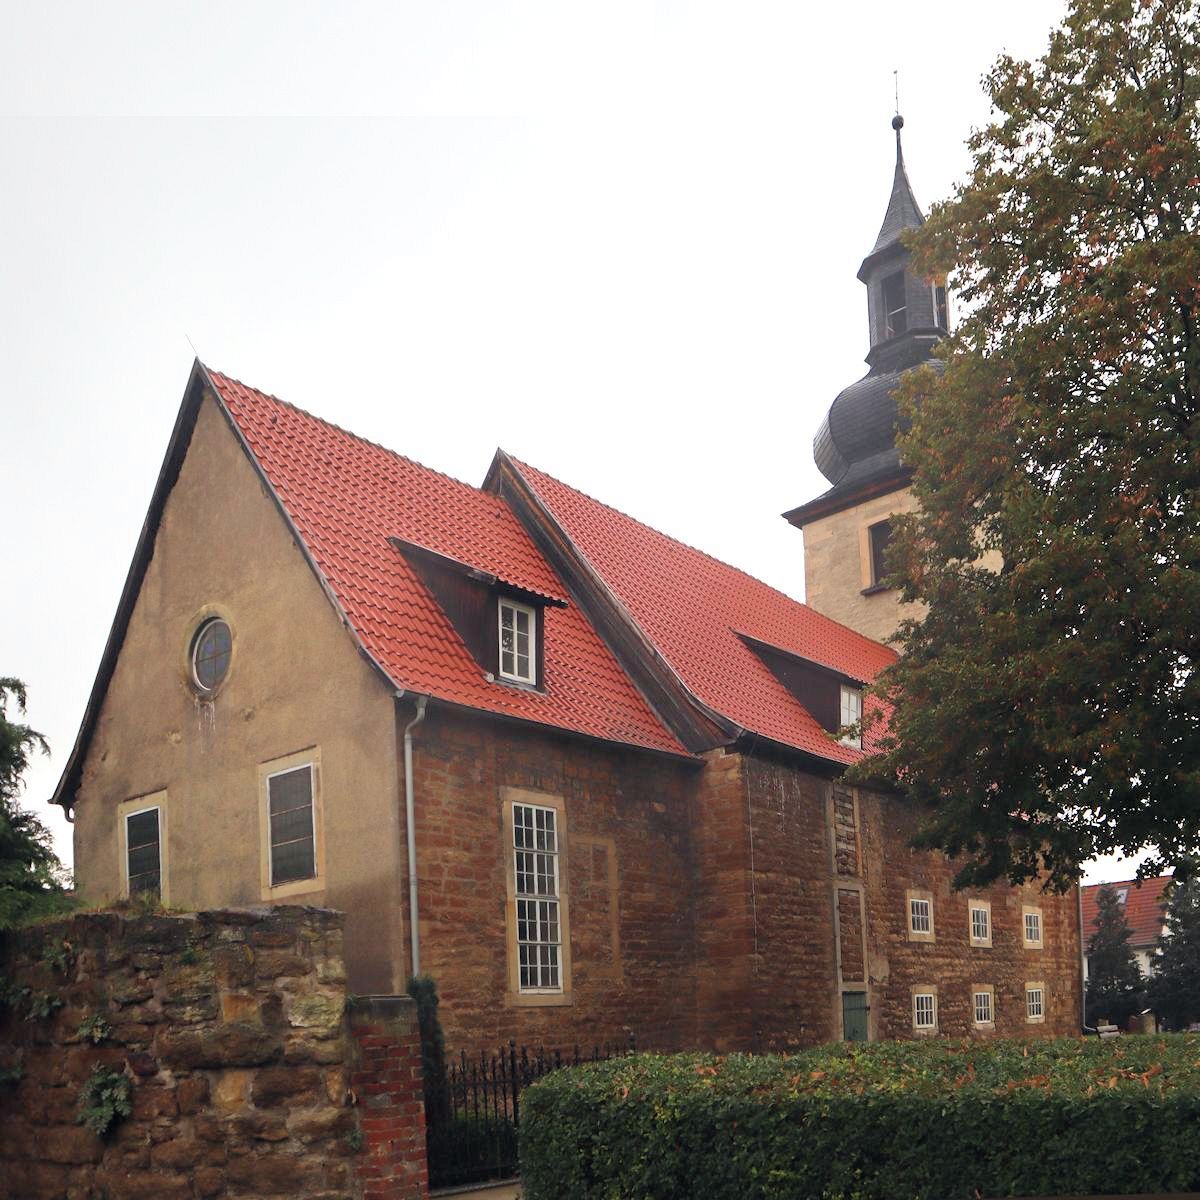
{"x": 981, "y": 922}
{"x": 518, "y": 642}
{"x": 925, "y": 1011}
{"x": 1035, "y": 1003}
{"x": 851, "y": 714}
{"x": 1032, "y": 919}
{"x": 984, "y": 1006}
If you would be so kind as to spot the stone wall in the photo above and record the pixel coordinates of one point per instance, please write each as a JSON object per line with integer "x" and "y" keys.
{"x": 245, "y": 1076}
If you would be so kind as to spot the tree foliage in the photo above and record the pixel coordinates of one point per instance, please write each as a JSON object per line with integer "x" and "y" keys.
{"x": 1174, "y": 991}
{"x": 1115, "y": 988}
{"x": 31, "y": 876}
{"x": 1047, "y": 703}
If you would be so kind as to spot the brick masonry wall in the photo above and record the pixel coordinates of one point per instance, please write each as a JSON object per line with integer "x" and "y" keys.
{"x": 950, "y": 962}
{"x": 628, "y": 884}
{"x": 724, "y": 907}
{"x": 230, "y": 1027}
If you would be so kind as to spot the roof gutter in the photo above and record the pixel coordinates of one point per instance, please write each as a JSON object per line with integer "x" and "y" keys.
{"x": 414, "y": 929}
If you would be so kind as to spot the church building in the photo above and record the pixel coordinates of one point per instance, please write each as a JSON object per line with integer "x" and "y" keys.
{"x": 587, "y": 777}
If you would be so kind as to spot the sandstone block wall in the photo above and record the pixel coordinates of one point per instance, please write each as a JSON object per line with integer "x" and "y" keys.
{"x": 230, "y": 1027}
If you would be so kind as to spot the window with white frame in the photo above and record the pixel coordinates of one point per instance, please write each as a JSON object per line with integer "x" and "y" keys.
{"x": 1032, "y": 918}
{"x": 984, "y": 1006}
{"x": 290, "y": 824}
{"x": 535, "y": 862}
{"x": 518, "y": 642}
{"x": 851, "y": 714}
{"x": 981, "y": 922}
{"x": 924, "y": 1010}
{"x": 920, "y": 916}
{"x": 1035, "y": 1002}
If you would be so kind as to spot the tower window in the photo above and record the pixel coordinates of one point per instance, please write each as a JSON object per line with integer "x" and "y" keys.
{"x": 895, "y": 305}
{"x": 941, "y": 308}
{"x": 880, "y": 535}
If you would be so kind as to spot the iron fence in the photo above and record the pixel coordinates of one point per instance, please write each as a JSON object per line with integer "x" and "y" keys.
{"x": 473, "y": 1113}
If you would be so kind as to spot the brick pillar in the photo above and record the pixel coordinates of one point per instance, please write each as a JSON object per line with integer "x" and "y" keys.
{"x": 387, "y": 1081}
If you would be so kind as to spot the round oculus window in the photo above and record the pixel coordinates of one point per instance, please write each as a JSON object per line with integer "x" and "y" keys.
{"x": 212, "y": 649}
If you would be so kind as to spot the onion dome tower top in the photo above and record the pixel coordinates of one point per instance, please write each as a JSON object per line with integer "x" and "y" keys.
{"x": 855, "y": 448}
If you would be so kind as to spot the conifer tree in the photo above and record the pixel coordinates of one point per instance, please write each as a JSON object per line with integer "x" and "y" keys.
{"x": 31, "y": 876}
{"x": 1174, "y": 991}
{"x": 1115, "y": 984}
{"x": 1046, "y": 704}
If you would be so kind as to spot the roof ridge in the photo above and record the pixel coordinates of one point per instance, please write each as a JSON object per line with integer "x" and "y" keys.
{"x": 358, "y": 437}
{"x": 702, "y": 553}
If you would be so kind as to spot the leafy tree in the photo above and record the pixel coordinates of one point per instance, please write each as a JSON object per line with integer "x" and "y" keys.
{"x": 1115, "y": 983}
{"x": 31, "y": 876}
{"x": 1047, "y": 701}
{"x": 1174, "y": 991}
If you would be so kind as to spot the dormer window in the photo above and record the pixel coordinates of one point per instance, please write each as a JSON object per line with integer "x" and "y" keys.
{"x": 851, "y": 714}
{"x": 518, "y": 642}
{"x": 895, "y": 306}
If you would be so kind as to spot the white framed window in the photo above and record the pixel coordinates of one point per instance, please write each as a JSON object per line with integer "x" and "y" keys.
{"x": 980, "y": 918}
{"x": 851, "y": 714}
{"x": 924, "y": 1005}
{"x": 985, "y": 1005}
{"x": 143, "y": 839}
{"x": 291, "y": 846}
{"x": 1035, "y": 1003}
{"x": 1031, "y": 919}
{"x": 536, "y": 870}
{"x": 518, "y": 642}
{"x": 919, "y": 915}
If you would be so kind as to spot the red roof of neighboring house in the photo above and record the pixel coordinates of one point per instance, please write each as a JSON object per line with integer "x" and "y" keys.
{"x": 347, "y": 496}
{"x": 693, "y": 608}
{"x": 1144, "y": 908}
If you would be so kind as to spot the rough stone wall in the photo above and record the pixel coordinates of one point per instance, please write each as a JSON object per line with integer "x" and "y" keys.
{"x": 627, "y": 881}
{"x": 230, "y": 1027}
{"x": 950, "y": 962}
{"x": 791, "y": 906}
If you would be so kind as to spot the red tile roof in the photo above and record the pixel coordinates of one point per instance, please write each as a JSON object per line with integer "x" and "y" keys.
{"x": 347, "y": 496}
{"x": 1143, "y": 908}
{"x": 693, "y": 607}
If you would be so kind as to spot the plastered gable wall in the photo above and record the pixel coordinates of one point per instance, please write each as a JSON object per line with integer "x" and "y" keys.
{"x": 296, "y": 683}
{"x": 837, "y": 567}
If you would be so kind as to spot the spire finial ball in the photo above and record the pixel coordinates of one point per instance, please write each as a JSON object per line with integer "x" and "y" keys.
{"x": 897, "y": 122}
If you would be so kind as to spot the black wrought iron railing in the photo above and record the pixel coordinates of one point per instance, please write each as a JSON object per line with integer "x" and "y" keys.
{"x": 472, "y": 1115}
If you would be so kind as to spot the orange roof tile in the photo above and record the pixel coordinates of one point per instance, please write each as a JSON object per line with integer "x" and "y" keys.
{"x": 347, "y": 496}
{"x": 693, "y": 607}
{"x": 1144, "y": 908}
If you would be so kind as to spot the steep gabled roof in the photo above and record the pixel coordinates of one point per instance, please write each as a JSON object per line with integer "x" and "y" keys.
{"x": 698, "y": 612}
{"x": 346, "y": 497}
{"x": 1144, "y": 908}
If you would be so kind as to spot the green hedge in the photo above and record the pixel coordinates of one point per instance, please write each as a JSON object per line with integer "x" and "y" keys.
{"x": 934, "y": 1119}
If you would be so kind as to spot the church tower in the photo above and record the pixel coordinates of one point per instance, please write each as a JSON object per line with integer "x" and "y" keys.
{"x": 847, "y": 527}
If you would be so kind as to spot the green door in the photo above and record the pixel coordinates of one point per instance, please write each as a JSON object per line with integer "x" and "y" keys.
{"x": 854, "y": 1016}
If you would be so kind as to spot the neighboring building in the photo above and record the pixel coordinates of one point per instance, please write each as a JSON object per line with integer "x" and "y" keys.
{"x": 846, "y": 529}
{"x": 626, "y": 758}
{"x": 1145, "y": 906}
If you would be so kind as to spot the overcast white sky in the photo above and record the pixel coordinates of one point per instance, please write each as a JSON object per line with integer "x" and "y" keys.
{"x": 617, "y": 239}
